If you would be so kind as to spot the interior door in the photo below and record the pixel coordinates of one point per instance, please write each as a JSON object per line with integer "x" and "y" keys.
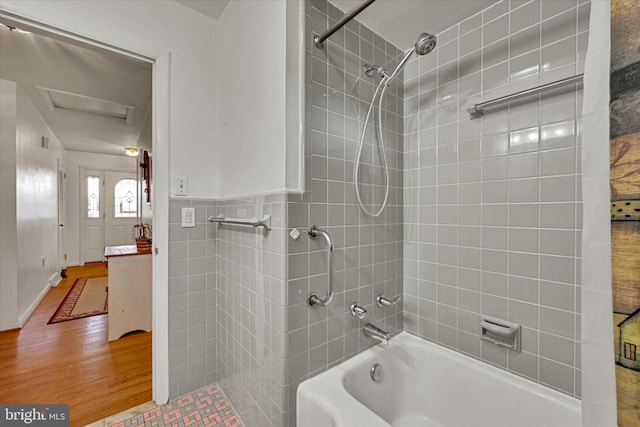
{"x": 92, "y": 212}
{"x": 121, "y": 204}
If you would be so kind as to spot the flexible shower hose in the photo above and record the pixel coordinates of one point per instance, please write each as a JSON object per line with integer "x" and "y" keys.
{"x": 383, "y": 85}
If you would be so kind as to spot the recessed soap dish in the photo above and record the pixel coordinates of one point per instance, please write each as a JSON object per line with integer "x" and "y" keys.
{"x": 501, "y": 332}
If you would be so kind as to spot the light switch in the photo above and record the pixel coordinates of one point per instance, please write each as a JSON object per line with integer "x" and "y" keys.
{"x": 188, "y": 217}
{"x": 182, "y": 186}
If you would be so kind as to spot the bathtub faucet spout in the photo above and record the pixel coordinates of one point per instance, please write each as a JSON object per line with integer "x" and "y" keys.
{"x": 376, "y": 333}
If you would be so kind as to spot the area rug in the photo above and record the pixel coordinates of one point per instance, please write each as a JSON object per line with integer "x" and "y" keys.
{"x": 87, "y": 297}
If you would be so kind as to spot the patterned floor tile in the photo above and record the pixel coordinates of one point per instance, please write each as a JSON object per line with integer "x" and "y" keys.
{"x": 206, "y": 407}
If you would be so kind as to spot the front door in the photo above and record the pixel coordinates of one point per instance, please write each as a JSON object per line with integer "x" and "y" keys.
{"x": 109, "y": 201}
{"x": 121, "y": 206}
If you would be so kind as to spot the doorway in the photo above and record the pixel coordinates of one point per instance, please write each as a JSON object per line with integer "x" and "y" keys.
{"x": 160, "y": 193}
{"x": 159, "y": 55}
{"x": 109, "y": 208}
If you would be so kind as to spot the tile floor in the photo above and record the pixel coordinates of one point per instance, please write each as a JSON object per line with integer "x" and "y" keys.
{"x": 206, "y": 407}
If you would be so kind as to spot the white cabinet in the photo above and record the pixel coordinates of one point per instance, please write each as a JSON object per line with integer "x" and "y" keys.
{"x": 129, "y": 290}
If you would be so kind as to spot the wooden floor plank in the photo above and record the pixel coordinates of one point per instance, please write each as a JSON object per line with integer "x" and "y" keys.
{"x": 72, "y": 362}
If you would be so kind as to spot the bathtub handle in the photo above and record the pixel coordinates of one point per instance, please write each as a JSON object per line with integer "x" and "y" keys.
{"x": 383, "y": 301}
{"x": 358, "y": 311}
{"x": 314, "y": 299}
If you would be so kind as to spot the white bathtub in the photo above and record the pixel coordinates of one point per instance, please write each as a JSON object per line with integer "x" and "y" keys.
{"x": 425, "y": 385}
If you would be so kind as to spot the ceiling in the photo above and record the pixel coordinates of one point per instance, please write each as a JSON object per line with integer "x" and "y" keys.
{"x": 113, "y": 92}
{"x": 211, "y": 8}
{"x": 398, "y": 21}
{"x": 122, "y": 86}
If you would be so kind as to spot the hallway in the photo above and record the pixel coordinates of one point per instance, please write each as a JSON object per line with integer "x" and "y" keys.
{"x": 72, "y": 362}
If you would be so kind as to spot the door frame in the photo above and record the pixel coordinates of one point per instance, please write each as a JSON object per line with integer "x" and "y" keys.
{"x": 62, "y": 215}
{"x": 160, "y": 58}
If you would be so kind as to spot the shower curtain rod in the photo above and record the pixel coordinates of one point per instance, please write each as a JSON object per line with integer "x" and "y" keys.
{"x": 318, "y": 40}
{"x": 477, "y": 110}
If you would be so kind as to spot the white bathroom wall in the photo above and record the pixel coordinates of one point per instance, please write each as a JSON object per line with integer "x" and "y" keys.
{"x": 75, "y": 161}
{"x": 36, "y": 206}
{"x": 251, "y": 95}
{"x": 156, "y": 28}
{"x": 8, "y": 230}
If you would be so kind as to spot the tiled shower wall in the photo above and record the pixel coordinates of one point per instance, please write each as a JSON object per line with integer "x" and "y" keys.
{"x": 261, "y": 339}
{"x": 490, "y": 208}
{"x": 193, "y": 338}
{"x": 227, "y": 314}
{"x": 367, "y": 260}
{"x": 252, "y": 310}
{"x": 492, "y": 205}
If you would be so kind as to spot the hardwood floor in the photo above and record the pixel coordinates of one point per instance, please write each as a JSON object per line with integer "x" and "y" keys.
{"x": 72, "y": 362}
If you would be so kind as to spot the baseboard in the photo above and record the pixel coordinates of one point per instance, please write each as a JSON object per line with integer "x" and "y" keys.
{"x": 9, "y": 327}
{"x": 23, "y": 319}
{"x": 55, "y": 279}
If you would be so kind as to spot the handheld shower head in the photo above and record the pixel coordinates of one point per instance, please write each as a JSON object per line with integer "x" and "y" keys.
{"x": 426, "y": 43}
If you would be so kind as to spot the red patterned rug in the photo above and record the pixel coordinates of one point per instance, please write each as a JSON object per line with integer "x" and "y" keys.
{"x": 87, "y": 297}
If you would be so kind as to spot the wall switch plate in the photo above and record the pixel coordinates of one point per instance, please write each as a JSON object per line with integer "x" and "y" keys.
{"x": 182, "y": 186}
{"x": 188, "y": 217}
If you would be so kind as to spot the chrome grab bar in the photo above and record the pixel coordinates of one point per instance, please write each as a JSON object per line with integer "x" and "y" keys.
{"x": 265, "y": 221}
{"x": 314, "y": 299}
{"x": 477, "y": 110}
{"x": 383, "y": 301}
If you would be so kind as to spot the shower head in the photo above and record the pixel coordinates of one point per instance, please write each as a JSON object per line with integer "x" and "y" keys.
{"x": 426, "y": 43}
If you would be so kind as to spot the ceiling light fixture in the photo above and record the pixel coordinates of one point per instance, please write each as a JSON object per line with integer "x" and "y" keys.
{"x": 131, "y": 151}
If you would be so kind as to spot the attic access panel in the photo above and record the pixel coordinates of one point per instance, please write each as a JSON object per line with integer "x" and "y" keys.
{"x": 57, "y": 100}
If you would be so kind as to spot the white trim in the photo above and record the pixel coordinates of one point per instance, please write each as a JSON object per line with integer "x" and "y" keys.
{"x": 597, "y": 350}
{"x": 160, "y": 200}
{"x": 66, "y": 36}
{"x": 25, "y": 316}
{"x": 55, "y": 279}
{"x": 295, "y": 96}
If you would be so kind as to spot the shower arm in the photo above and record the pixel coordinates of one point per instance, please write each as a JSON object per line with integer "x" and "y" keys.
{"x": 401, "y": 64}
{"x": 314, "y": 299}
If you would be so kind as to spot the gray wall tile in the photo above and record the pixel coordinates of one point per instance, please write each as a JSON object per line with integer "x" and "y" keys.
{"x": 516, "y": 229}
